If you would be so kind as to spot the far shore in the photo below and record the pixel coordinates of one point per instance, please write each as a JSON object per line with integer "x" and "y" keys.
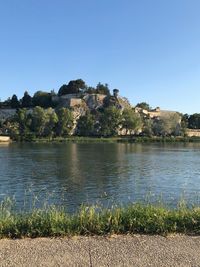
{"x": 120, "y": 139}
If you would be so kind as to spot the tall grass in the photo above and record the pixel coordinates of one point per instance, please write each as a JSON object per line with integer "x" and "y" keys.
{"x": 52, "y": 221}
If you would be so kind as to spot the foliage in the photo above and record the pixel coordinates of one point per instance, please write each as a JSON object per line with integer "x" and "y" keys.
{"x": 143, "y": 105}
{"x": 73, "y": 87}
{"x": 26, "y": 101}
{"x": 131, "y": 121}
{"x": 6, "y": 103}
{"x": 63, "y": 90}
{"x": 86, "y": 125}
{"x": 36, "y": 123}
{"x": 22, "y": 122}
{"x": 52, "y": 121}
{"x": 39, "y": 121}
{"x": 110, "y": 101}
{"x": 90, "y": 90}
{"x": 36, "y": 116}
{"x": 147, "y": 129}
{"x": 194, "y": 121}
{"x": 110, "y": 120}
{"x": 102, "y": 89}
{"x": 12, "y": 129}
{"x": 65, "y": 122}
{"x": 52, "y": 221}
{"x": 184, "y": 124}
{"x": 167, "y": 125}
{"x": 14, "y": 102}
{"x": 184, "y": 120}
{"x": 42, "y": 99}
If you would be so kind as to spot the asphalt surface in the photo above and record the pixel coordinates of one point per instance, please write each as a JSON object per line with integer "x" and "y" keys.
{"x": 137, "y": 250}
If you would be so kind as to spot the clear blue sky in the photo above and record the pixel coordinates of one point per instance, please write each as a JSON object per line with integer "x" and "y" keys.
{"x": 149, "y": 49}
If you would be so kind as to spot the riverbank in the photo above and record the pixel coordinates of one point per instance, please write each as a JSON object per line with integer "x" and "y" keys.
{"x": 133, "y": 139}
{"x": 52, "y": 221}
{"x": 136, "y": 250}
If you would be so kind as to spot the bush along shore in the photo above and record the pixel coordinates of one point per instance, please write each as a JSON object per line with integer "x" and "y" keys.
{"x": 52, "y": 221}
{"x": 125, "y": 139}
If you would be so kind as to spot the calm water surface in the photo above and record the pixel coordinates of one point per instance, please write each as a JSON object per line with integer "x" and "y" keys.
{"x": 109, "y": 173}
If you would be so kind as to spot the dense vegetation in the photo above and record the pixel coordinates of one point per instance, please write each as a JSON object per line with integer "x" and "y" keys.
{"x": 40, "y": 117}
{"x": 134, "y": 218}
{"x": 40, "y": 122}
{"x": 44, "y": 99}
{"x": 51, "y": 123}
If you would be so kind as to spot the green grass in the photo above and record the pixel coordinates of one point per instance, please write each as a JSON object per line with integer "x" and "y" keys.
{"x": 126, "y": 139}
{"x": 77, "y": 139}
{"x": 52, "y": 221}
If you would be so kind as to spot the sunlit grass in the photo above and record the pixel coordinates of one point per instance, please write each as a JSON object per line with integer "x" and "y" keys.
{"x": 52, "y": 221}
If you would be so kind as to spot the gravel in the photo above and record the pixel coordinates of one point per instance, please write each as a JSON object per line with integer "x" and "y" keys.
{"x": 135, "y": 250}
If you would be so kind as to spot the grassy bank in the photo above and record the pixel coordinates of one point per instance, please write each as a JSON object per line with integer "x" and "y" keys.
{"x": 132, "y": 139}
{"x": 136, "y": 218}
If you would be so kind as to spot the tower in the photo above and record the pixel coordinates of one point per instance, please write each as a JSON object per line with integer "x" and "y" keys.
{"x": 116, "y": 93}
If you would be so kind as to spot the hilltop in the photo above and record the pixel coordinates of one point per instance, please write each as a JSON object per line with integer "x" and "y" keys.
{"x": 78, "y": 109}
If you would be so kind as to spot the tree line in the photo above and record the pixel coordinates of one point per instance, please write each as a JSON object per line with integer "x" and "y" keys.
{"x": 44, "y": 99}
{"x": 110, "y": 121}
{"x": 39, "y": 122}
{"x": 38, "y": 116}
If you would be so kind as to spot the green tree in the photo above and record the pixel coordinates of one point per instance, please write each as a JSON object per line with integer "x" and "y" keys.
{"x": 26, "y": 100}
{"x": 42, "y": 99}
{"x": 102, "y": 89}
{"x": 52, "y": 120}
{"x": 39, "y": 121}
{"x": 14, "y": 102}
{"x": 7, "y": 103}
{"x": 110, "y": 120}
{"x": 90, "y": 90}
{"x": 86, "y": 125}
{"x": 73, "y": 87}
{"x": 63, "y": 90}
{"x": 131, "y": 121}
{"x": 24, "y": 120}
{"x": 168, "y": 125}
{"x": 143, "y": 105}
{"x": 185, "y": 120}
{"x": 158, "y": 127}
{"x": 175, "y": 124}
{"x": 65, "y": 122}
{"x": 147, "y": 127}
{"x": 184, "y": 123}
{"x": 194, "y": 121}
{"x": 12, "y": 128}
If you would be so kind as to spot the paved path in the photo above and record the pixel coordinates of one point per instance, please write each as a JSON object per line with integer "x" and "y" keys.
{"x": 137, "y": 250}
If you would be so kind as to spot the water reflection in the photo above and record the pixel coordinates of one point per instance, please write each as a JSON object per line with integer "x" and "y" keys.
{"x": 85, "y": 173}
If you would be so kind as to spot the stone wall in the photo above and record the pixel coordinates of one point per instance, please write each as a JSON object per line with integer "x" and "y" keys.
{"x": 94, "y": 100}
{"x": 73, "y": 102}
{"x": 6, "y": 113}
{"x": 193, "y": 132}
{"x": 4, "y": 139}
{"x": 161, "y": 113}
{"x": 157, "y": 113}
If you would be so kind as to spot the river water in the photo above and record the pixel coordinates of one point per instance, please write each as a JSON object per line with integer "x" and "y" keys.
{"x": 107, "y": 173}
